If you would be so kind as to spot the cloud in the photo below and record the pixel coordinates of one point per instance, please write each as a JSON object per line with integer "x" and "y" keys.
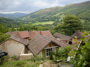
{"x": 11, "y": 6}
{"x": 43, "y": 4}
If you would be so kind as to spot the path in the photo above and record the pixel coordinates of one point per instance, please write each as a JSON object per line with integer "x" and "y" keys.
{"x": 66, "y": 66}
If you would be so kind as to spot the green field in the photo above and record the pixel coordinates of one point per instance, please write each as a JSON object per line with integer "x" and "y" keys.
{"x": 43, "y": 23}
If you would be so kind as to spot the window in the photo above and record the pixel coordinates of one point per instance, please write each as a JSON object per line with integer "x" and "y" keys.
{"x": 70, "y": 42}
{"x": 47, "y": 51}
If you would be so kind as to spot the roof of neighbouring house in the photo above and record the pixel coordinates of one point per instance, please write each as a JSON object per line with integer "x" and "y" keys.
{"x": 22, "y": 34}
{"x": 19, "y": 39}
{"x": 78, "y": 34}
{"x": 43, "y": 33}
{"x": 61, "y": 36}
{"x": 14, "y": 32}
{"x": 54, "y": 40}
{"x": 33, "y": 33}
{"x": 38, "y": 43}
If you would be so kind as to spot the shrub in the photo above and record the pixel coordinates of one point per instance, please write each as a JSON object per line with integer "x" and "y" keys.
{"x": 60, "y": 53}
{"x": 4, "y": 59}
{"x": 51, "y": 55}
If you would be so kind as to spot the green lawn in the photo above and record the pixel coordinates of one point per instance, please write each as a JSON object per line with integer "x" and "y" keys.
{"x": 43, "y": 23}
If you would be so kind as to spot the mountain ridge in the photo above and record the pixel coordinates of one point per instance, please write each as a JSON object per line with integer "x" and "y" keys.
{"x": 13, "y": 15}
{"x": 53, "y": 13}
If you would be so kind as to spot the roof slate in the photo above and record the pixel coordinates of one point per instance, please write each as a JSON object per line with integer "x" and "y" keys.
{"x": 61, "y": 36}
{"x": 54, "y": 40}
{"x": 21, "y": 40}
{"x": 37, "y": 43}
{"x": 22, "y": 34}
{"x": 78, "y": 34}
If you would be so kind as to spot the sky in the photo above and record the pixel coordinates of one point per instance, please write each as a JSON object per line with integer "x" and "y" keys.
{"x": 28, "y": 6}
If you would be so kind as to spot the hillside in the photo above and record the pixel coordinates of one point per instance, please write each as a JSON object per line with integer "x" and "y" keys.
{"x": 8, "y": 22}
{"x": 13, "y": 16}
{"x": 82, "y": 10}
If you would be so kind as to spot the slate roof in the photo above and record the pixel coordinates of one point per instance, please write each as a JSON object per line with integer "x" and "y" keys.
{"x": 39, "y": 42}
{"x": 78, "y": 34}
{"x": 61, "y": 36}
{"x": 22, "y": 34}
{"x": 21, "y": 40}
{"x": 54, "y": 40}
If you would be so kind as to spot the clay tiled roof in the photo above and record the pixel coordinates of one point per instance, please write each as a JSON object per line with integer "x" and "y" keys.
{"x": 44, "y": 33}
{"x": 19, "y": 39}
{"x": 61, "y": 36}
{"x": 33, "y": 33}
{"x": 78, "y": 34}
{"x": 37, "y": 43}
{"x": 22, "y": 34}
{"x": 14, "y": 32}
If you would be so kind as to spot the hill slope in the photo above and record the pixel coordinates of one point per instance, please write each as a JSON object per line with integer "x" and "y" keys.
{"x": 8, "y": 22}
{"x": 13, "y": 16}
{"x": 82, "y": 10}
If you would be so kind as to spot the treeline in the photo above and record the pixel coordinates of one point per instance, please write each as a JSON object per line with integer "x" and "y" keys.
{"x": 8, "y": 22}
{"x": 21, "y": 27}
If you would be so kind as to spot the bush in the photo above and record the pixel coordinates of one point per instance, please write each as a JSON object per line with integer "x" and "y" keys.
{"x": 51, "y": 55}
{"x": 60, "y": 53}
{"x": 82, "y": 55}
{"x": 4, "y": 59}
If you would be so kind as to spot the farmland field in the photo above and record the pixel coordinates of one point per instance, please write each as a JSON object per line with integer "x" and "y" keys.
{"x": 43, "y": 23}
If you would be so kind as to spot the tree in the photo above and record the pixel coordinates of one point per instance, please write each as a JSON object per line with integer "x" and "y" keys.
{"x": 4, "y": 36}
{"x": 59, "y": 29}
{"x": 71, "y": 24}
{"x": 13, "y": 28}
{"x": 21, "y": 28}
{"x": 4, "y": 28}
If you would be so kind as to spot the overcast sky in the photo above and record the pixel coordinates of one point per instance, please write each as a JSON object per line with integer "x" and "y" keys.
{"x": 28, "y": 6}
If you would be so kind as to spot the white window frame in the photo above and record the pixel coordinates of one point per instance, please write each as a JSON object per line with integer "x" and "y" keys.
{"x": 47, "y": 51}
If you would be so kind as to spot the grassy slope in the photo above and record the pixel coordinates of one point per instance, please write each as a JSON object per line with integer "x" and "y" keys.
{"x": 80, "y": 9}
{"x": 40, "y": 13}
